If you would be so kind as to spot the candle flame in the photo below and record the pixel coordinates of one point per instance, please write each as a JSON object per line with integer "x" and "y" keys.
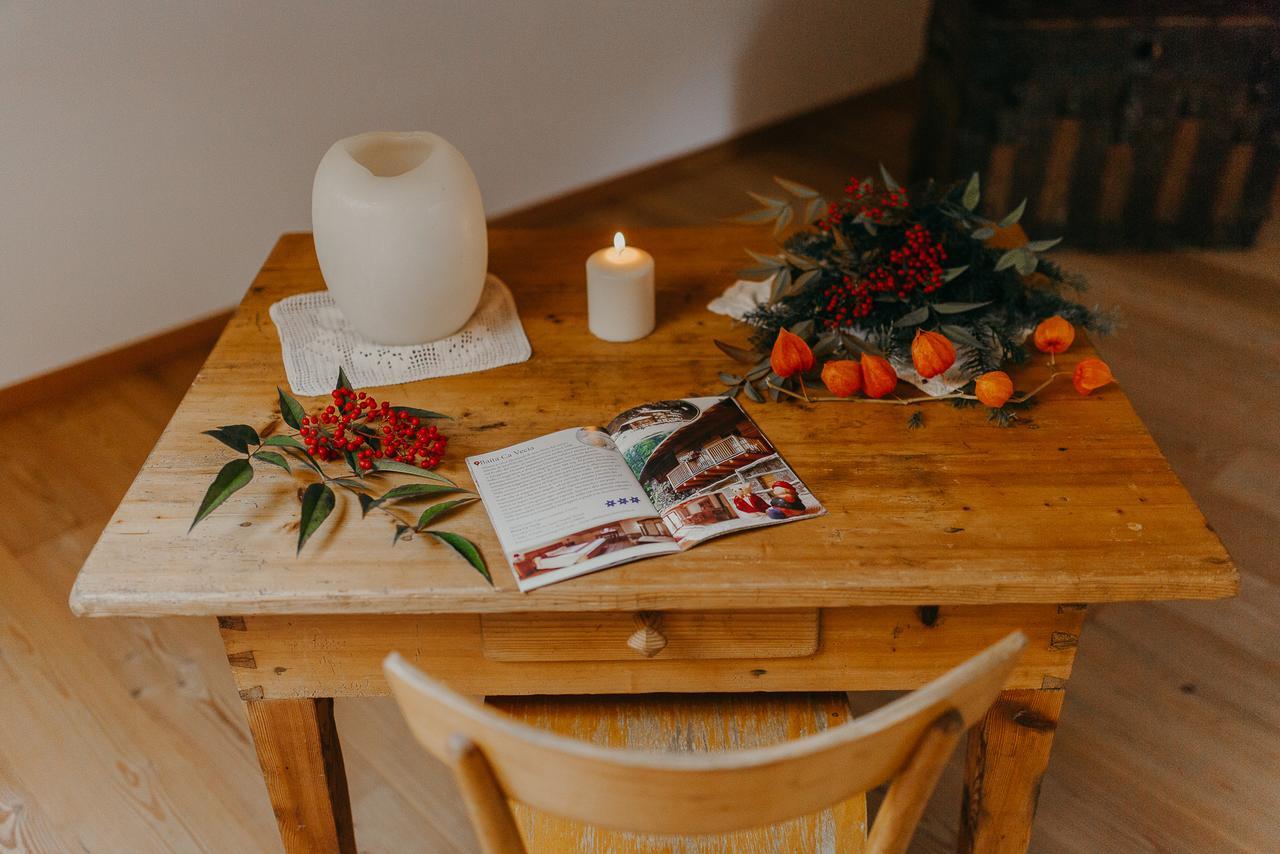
{"x": 619, "y": 242}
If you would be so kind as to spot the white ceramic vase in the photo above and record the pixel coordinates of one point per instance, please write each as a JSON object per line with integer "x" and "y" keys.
{"x": 400, "y": 235}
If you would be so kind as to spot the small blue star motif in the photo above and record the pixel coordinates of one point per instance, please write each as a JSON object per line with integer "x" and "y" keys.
{"x": 635, "y": 500}
{"x": 609, "y": 503}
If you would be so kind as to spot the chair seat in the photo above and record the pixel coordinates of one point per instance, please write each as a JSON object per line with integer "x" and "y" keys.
{"x": 690, "y": 723}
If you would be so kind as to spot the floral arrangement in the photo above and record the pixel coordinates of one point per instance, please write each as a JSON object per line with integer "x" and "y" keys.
{"x": 890, "y": 275}
{"x": 373, "y": 439}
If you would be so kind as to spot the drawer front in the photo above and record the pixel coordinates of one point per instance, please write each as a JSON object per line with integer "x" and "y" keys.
{"x": 627, "y": 636}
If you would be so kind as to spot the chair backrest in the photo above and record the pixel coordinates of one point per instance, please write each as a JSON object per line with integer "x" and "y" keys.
{"x": 496, "y": 757}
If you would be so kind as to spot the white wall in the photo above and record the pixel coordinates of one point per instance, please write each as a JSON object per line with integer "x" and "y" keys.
{"x": 151, "y": 151}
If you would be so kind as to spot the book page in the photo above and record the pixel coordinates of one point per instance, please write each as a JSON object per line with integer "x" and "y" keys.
{"x": 566, "y": 504}
{"x": 708, "y": 469}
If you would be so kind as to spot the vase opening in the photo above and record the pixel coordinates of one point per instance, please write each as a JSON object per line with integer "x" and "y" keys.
{"x": 389, "y": 156}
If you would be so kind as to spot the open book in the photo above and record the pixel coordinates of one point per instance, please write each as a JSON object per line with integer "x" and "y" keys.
{"x": 661, "y": 477}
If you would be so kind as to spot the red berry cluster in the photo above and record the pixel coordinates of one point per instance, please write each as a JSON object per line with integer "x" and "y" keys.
{"x": 335, "y": 430}
{"x": 863, "y": 198}
{"x": 915, "y": 266}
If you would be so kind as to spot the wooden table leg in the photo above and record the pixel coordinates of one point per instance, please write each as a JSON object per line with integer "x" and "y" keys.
{"x": 1007, "y": 755}
{"x": 297, "y": 745}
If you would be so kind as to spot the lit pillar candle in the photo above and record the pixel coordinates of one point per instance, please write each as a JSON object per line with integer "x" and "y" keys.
{"x": 620, "y": 292}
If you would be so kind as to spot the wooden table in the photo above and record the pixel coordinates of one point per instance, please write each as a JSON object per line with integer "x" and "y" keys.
{"x": 939, "y": 541}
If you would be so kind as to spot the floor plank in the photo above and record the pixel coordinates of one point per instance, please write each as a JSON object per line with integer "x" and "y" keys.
{"x": 120, "y": 735}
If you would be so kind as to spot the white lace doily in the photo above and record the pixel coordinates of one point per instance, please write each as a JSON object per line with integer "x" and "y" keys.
{"x": 315, "y": 340}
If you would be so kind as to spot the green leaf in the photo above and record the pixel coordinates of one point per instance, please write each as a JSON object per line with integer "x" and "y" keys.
{"x": 406, "y": 468}
{"x": 769, "y": 201}
{"x": 795, "y": 188}
{"x": 238, "y": 437}
{"x": 343, "y": 382}
{"x": 351, "y": 483}
{"x": 401, "y": 530}
{"x": 233, "y": 476}
{"x": 290, "y": 410}
{"x": 972, "y": 193}
{"x": 317, "y": 504}
{"x": 755, "y": 217}
{"x": 413, "y": 490}
{"x": 738, "y": 354}
{"x": 273, "y": 458}
{"x": 435, "y": 511}
{"x": 366, "y": 503}
{"x": 913, "y": 318}
{"x": 466, "y": 548}
{"x": 423, "y": 414}
{"x": 1008, "y": 259}
{"x": 284, "y": 442}
{"x": 1043, "y": 245}
{"x": 1014, "y": 215}
{"x": 960, "y": 335}
{"x": 889, "y": 183}
{"x": 952, "y": 272}
{"x": 957, "y": 307}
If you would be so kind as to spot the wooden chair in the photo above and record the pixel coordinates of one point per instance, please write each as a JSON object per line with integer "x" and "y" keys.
{"x": 495, "y": 758}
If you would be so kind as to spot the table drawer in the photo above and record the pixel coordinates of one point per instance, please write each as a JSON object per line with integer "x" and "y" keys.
{"x": 623, "y": 635}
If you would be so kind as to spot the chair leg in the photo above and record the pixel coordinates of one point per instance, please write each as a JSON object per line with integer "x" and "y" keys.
{"x": 490, "y": 813}
{"x": 909, "y": 792}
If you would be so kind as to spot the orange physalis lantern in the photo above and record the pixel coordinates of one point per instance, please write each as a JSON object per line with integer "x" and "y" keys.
{"x": 994, "y": 388}
{"x": 843, "y": 377}
{"x": 1054, "y": 335}
{"x": 1091, "y": 374}
{"x": 932, "y": 353}
{"x": 878, "y": 376}
{"x": 790, "y": 355}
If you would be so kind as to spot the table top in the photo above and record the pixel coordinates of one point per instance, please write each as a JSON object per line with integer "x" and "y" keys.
{"x": 1080, "y": 506}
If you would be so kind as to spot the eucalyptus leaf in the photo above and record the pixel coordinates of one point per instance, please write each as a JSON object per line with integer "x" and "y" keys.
{"x": 972, "y": 193}
{"x": 1043, "y": 245}
{"x": 290, "y": 410}
{"x": 781, "y": 282}
{"x": 729, "y": 379}
{"x": 952, "y": 272}
{"x": 317, "y": 503}
{"x": 804, "y": 280}
{"x": 752, "y": 392}
{"x": 889, "y": 183}
{"x": 814, "y": 208}
{"x": 869, "y": 226}
{"x": 853, "y": 342}
{"x": 435, "y": 511}
{"x": 738, "y": 354}
{"x": 1014, "y": 215}
{"x": 769, "y": 201}
{"x": 1008, "y": 259}
{"x": 784, "y": 219}
{"x": 755, "y": 217}
{"x": 775, "y": 262}
{"x": 795, "y": 188}
{"x": 802, "y": 262}
{"x": 273, "y": 458}
{"x": 406, "y": 468}
{"x": 960, "y": 335}
{"x": 466, "y": 548}
{"x": 957, "y": 307}
{"x": 232, "y": 477}
{"x": 803, "y": 329}
{"x": 984, "y": 233}
{"x": 1026, "y": 263}
{"x": 913, "y": 318}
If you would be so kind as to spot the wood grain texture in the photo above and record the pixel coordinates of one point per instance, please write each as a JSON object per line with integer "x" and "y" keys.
{"x": 1084, "y": 508}
{"x": 688, "y": 724}
{"x": 301, "y": 758}
{"x": 688, "y": 635}
{"x": 1006, "y": 758}
{"x": 860, "y": 648}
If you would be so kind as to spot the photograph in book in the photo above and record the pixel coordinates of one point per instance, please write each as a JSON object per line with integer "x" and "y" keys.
{"x": 661, "y": 477}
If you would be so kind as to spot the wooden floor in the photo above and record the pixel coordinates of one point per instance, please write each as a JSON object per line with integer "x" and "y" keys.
{"x": 126, "y": 735}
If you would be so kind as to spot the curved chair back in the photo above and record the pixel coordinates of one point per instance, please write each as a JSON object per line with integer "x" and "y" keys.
{"x": 496, "y": 757}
